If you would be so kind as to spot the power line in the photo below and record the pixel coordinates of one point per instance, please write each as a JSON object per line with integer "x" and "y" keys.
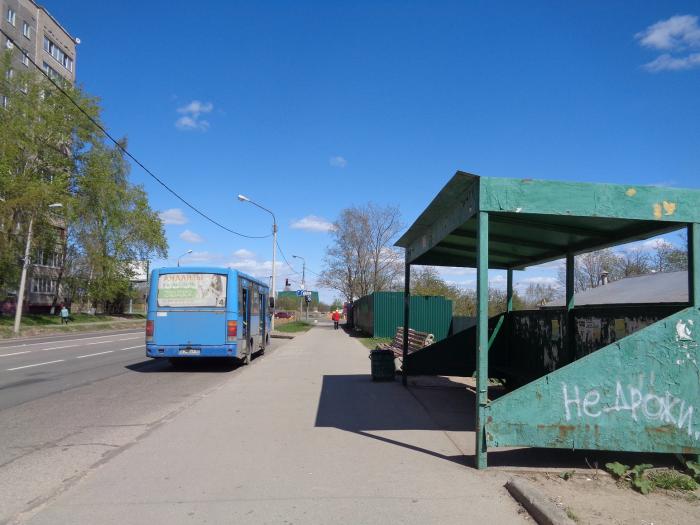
{"x": 126, "y": 152}
{"x": 285, "y": 259}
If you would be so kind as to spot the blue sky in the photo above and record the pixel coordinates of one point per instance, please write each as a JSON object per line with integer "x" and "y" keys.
{"x": 309, "y": 107}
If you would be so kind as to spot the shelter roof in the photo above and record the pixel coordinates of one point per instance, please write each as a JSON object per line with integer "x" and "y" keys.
{"x": 671, "y": 287}
{"x": 536, "y": 221}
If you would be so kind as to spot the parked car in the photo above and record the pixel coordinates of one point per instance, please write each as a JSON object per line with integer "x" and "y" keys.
{"x": 284, "y": 315}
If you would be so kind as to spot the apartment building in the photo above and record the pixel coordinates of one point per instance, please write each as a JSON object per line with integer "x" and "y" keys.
{"x": 40, "y": 37}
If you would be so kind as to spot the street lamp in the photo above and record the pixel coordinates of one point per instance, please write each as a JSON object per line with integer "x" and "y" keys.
{"x": 25, "y": 266}
{"x": 303, "y": 281}
{"x": 243, "y": 198}
{"x": 181, "y": 256}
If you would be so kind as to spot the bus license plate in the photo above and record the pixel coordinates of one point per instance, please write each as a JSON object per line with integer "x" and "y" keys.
{"x": 189, "y": 351}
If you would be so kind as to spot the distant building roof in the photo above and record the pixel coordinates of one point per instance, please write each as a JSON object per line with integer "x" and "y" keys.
{"x": 671, "y": 287}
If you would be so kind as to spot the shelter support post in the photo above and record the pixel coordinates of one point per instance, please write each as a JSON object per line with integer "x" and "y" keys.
{"x": 509, "y": 290}
{"x": 482, "y": 335}
{"x": 569, "y": 328}
{"x": 694, "y": 264}
{"x": 694, "y": 272}
{"x": 406, "y": 319}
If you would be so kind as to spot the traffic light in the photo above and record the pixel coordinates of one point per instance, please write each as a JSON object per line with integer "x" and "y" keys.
{"x": 286, "y": 281}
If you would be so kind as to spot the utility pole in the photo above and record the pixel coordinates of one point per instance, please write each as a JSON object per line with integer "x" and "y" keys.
{"x": 243, "y": 198}
{"x": 23, "y": 278}
{"x": 25, "y": 266}
{"x": 302, "y": 300}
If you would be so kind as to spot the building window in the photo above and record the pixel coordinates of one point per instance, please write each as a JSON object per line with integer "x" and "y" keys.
{"x": 25, "y": 58}
{"x": 11, "y": 16}
{"x": 26, "y": 30}
{"x": 51, "y": 71}
{"x": 43, "y": 285}
{"x": 9, "y": 44}
{"x": 10, "y": 74}
{"x": 58, "y": 54}
{"x": 3, "y": 101}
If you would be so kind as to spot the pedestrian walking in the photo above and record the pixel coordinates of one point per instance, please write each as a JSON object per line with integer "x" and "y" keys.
{"x": 65, "y": 315}
{"x": 336, "y": 319}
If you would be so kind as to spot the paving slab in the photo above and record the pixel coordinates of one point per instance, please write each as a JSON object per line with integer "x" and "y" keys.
{"x": 302, "y": 436}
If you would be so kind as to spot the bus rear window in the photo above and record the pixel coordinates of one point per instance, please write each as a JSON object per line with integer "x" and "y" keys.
{"x": 192, "y": 290}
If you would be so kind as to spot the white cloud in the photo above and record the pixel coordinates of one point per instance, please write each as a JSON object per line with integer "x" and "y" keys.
{"x": 678, "y": 34}
{"x": 667, "y": 62}
{"x": 201, "y": 257}
{"x": 338, "y": 162}
{"x": 191, "y": 116}
{"x": 314, "y": 224}
{"x": 190, "y": 236}
{"x": 173, "y": 216}
{"x": 243, "y": 254}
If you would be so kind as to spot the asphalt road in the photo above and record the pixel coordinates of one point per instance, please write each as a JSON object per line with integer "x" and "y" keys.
{"x": 70, "y": 402}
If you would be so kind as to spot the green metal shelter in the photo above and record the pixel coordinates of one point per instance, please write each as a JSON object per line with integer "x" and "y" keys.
{"x": 621, "y": 377}
{"x": 380, "y": 313}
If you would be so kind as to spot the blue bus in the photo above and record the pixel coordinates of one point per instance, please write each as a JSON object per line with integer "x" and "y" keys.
{"x": 199, "y": 312}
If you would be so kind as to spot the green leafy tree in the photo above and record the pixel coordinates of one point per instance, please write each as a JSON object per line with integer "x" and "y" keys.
{"x": 114, "y": 225}
{"x": 40, "y": 133}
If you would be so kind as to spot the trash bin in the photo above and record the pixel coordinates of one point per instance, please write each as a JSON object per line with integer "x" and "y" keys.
{"x": 382, "y": 365}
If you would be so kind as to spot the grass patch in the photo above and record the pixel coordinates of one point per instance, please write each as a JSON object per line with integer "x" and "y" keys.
{"x": 31, "y": 320}
{"x": 672, "y": 480}
{"x": 293, "y": 327}
{"x": 572, "y": 516}
{"x": 372, "y": 342}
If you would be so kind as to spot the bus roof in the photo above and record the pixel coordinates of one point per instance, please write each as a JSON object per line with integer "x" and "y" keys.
{"x": 208, "y": 269}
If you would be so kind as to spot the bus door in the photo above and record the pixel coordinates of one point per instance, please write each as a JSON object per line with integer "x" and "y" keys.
{"x": 244, "y": 316}
{"x": 263, "y": 318}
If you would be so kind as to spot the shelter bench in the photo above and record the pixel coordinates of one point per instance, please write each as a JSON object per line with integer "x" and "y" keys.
{"x": 416, "y": 341}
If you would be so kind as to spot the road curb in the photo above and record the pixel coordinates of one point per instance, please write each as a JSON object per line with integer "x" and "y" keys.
{"x": 542, "y": 510}
{"x": 281, "y": 336}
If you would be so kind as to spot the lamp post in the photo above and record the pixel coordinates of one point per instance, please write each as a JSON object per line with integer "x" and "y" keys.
{"x": 25, "y": 266}
{"x": 243, "y": 198}
{"x": 303, "y": 285}
{"x": 181, "y": 256}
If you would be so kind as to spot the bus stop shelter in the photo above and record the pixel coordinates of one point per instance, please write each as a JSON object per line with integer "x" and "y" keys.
{"x": 621, "y": 377}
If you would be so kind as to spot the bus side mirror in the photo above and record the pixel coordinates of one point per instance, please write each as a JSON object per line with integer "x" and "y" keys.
{"x": 272, "y": 302}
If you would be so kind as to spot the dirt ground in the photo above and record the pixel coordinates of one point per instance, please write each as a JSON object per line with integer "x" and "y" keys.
{"x": 597, "y": 500}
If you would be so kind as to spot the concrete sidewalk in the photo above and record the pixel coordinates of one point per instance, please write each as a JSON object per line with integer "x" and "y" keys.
{"x": 302, "y": 436}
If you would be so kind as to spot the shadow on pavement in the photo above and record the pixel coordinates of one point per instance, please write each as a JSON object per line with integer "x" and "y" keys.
{"x": 356, "y": 404}
{"x": 163, "y": 366}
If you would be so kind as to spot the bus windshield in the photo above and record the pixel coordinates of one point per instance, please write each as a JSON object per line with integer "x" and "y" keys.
{"x": 192, "y": 290}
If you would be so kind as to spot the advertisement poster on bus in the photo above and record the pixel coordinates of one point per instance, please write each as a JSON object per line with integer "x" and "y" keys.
{"x": 191, "y": 290}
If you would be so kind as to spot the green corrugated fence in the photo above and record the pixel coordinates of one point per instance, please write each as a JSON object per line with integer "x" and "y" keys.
{"x": 380, "y": 313}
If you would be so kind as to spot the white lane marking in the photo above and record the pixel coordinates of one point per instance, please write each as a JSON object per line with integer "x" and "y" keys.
{"x": 98, "y": 353}
{"x": 16, "y": 353}
{"x": 54, "y": 348}
{"x": 37, "y": 364}
{"x": 130, "y": 338}
{"x": 100, "y": 342}
{"x": 132, "y": 347}
{"x": 66, "y": 341}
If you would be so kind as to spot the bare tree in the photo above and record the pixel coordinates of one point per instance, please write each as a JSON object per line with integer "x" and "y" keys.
{"x": 589, "y": 267}
{"x": 633, "y": 262}
{"x": 538, "y": 294}
{"x": 669, "y": 258}
{"x": 361, "y": 259}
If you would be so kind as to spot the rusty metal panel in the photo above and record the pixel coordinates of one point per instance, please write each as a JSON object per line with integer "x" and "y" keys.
{"x": 641, "y": 393}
